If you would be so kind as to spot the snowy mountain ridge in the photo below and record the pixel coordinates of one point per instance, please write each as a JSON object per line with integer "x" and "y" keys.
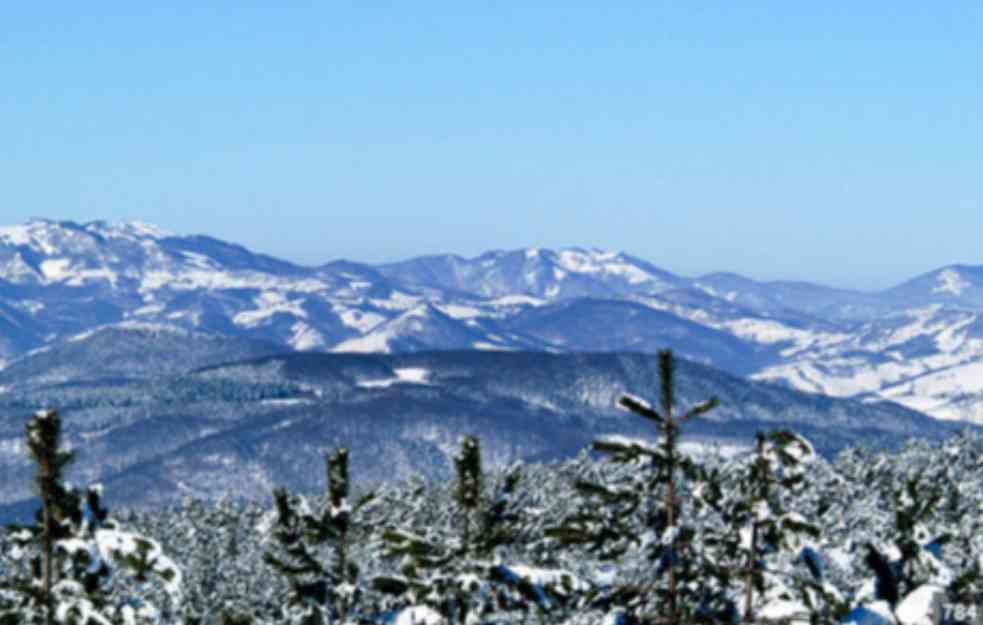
{"x": 919, "y": 343}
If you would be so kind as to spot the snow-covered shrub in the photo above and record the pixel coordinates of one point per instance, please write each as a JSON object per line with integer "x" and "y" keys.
{"x": 645, "y": 511}
{"x": 453, "y": 563}
{"x": 220, "y": 550}
{"x": 761, "y": 555}
{"x": 906, "y": 560}
{"x": 320, "y": 593}
{"x": 64, "y": 566}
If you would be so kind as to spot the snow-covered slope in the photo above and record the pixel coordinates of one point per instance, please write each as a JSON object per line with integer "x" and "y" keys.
{"x": 421, "y": 328}
{"x": 928, "y": 359}
{"x": 67, "y": 278}
{"x": 780, "y": 298}
{"x": 955, "y": 285}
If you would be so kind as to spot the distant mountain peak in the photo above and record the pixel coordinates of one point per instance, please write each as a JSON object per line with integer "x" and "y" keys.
{"x": 951, "y": 281}
{"x": 128, "y": 229}
{"x": 551, "y": 274}
{"x": 48, "y": 237}
{"x": 959, "y": 285}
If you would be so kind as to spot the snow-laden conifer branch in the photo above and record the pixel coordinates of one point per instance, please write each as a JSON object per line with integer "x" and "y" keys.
{"x": 67, "y": 565}
{"x": 639, "y": 407}
{"x": 319, "y": 591}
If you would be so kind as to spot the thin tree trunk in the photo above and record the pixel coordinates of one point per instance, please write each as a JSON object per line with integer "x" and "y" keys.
{"x": 343, "y": 569}
{"x": 761, "y": 486}
{"x": 749, "y": 579}
{"x": 47, "y": 543}
{"x": 671, "y": 512}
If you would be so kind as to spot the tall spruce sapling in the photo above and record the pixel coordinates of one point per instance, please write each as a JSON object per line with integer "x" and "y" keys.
{"x": 455, "y": 572}
{"x": 57, "y": 502}
{"x": 66, "y": 561}
{"x": 320, "y": 593}
{"x": 748, "y": 555}
{"x": 438, "y": 571}
{"x": 653, "y": 493}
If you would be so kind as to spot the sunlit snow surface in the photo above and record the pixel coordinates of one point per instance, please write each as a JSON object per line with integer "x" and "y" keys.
{"x": 419, "y": 615}
{"x": 951, "y": 282}
{"x": 373, "y": 343}
{"x": 485, "y": 345}
{"x": 408, "y": 375}
{"x": 598, "y": 262}
{"x": 269, "y": 303}
{"x": 691, "y": 447}
{"x": 927, "y": 359}
{"x": 304, "y": 337}
{"x": 359, "y": 320}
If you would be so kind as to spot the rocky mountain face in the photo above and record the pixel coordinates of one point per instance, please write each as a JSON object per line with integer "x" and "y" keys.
{"x": 918, "y": 343}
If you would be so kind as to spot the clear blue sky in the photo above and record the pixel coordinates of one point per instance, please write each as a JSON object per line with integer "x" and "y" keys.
{"x": 837, "y": 141}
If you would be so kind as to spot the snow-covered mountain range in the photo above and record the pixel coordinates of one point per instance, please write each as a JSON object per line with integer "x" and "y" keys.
{"x": 919, "y": 344}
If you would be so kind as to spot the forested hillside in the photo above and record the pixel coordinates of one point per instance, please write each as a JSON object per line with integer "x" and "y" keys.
{"x": 154, "y": 435}
{"x": 638, "y": 530}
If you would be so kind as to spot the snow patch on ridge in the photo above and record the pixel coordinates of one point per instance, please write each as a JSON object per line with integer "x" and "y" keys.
{"x": 370, "y": 343}
{"x": 770, "y": 331}
{"x": 269, "y": 303}
{"x": 405, "y": 375}
{"x": 304, "y": 337}
{"x": 287, "y": 401}
{"x": 458, "y": 311}
{"x": 56, "y": 269}
{"x": 359, "y": 320}
{"x": 18, "y": 271}
{"x": 935, "y": 392}
{"x": 729, "y": 296}
{"x": 189, "y": 279}
{"x": 81, "y": 337}
{"x": 597, "y": 262}
{"x": 35, "y": 234}
{"x": 396, "y": 301}
{"x": 951, "y": 282}
{"x": 128, "y": 230}
{"x": 486, "y": 346}
{"x": 517, "y": 300}
{"x": 15, "y": 235}
{"x": 147, "y": 311}
{"x": 199, "y": 260}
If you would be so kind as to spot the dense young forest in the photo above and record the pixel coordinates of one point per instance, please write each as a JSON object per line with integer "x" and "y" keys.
{"x": 631, "y": 531}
